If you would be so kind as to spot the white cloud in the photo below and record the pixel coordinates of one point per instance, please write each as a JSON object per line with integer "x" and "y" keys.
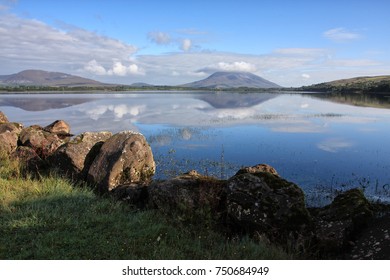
{"x": 29, "y": 43}
{"x": 163, "y": 38}
{"x": 186, "y": 45}
{"x": 160, "y": 38}
{"x": 236, "y": 66}
{"x": 341, "y": 35}
{"x": 117, "y": 69}
{"x": 95, "y": 68}
{"x": 305, "y": 76}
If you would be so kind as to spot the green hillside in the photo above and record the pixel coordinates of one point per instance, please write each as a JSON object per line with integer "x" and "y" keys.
{"x": 375, "y": 85}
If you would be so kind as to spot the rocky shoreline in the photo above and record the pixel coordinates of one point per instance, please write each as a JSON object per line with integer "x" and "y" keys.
{"x": 255, "y": 201}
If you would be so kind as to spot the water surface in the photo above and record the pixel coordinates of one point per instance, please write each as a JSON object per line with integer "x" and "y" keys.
{"x": 323, "y": 145}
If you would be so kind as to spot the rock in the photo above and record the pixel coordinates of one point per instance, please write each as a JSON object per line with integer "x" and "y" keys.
{"x": 12, "y": 127}
{"x": 134, "y": 194}
{"x": 258, "y": 168}
{"x": 336, "y": 223}
{"x": 42, "y": 142}
{"x": 76, "y": 156}
{"x": 60, "y": 128}
{"x": 124, "y": 158}
{"x": 3, "y": 118}
{"x": 9, "y": 134}
{"x": 265, "y": 203}
{"x": 29, "y": 159}
{"x": 190, "y": 197}
{"x": 350, "y": 205}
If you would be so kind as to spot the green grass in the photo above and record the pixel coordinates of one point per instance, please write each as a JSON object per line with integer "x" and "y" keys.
{"x": 50, "y": 218}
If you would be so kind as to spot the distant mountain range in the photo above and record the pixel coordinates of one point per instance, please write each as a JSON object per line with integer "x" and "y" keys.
{"x": 45, "y": 78}
{"x": 218, "y": 80}
{"x": 224, "y": 80}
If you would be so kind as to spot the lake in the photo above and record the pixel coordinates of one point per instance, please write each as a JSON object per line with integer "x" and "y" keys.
{"x": 323, "y": 145}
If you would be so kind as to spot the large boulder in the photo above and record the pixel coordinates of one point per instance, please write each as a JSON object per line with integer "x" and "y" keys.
{"x": 260, "y": 201}
{"x": 3, "y": 118}
{"x": 9, "y": 134}
{"x": 76, "y": 156}
{"x": 42, "y": 142}
{"x": 190, "y": 197}
{"x": 336, "y": 223}
{"x": 124, "y": 158}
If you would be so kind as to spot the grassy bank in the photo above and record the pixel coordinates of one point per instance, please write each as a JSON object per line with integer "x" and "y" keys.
{"x": 50, "y": 218}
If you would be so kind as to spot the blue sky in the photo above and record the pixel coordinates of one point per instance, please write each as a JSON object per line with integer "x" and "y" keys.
{"x": 291, "y": 43}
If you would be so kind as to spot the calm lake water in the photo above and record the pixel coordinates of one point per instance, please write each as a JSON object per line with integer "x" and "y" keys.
{"x": 323, "y": 145}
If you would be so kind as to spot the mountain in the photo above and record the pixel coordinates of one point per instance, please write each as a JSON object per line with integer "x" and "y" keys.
{"x": 232, "y": 80}
{"x": 373, "y": 84}
{"x": 44, "y": 78}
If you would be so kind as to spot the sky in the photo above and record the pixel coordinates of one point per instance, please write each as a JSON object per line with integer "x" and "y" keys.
{"x": 291, "y": 43}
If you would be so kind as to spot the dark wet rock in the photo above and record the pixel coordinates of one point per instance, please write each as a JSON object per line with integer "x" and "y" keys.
{"x": 134, "y": 194}
{"x": 190, "y": 197}
{"x": 265, "y": 203}
{"x": 335, "y": 224}
{"x": 350, "y": 205}
{"x": 3, "y": 118}
{"x": 124, "y": 158}
{"x": 9, "y": 134}
{"x": 76, "y": 156}
{"x": 42, "y": 142}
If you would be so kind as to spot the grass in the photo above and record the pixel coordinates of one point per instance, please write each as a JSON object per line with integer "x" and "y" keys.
{"x": 50, "y": 218}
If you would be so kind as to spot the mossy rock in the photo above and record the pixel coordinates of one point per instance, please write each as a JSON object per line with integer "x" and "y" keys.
{"x": 337, "y": 223}
{"x": 266, "y": 203}
{"x": 190, "y": 197}
{"x": 352, "y": 205}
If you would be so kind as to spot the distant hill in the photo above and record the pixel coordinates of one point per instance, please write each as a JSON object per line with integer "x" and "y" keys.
{"x": 374, "y": 84}
{"x": 141, "y": 85}
{"x": 45, "y": 78}
{"x": 225, "y": 80}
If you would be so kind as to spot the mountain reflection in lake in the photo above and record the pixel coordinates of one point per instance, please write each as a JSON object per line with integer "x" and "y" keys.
{"x": 320, "y": 145}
